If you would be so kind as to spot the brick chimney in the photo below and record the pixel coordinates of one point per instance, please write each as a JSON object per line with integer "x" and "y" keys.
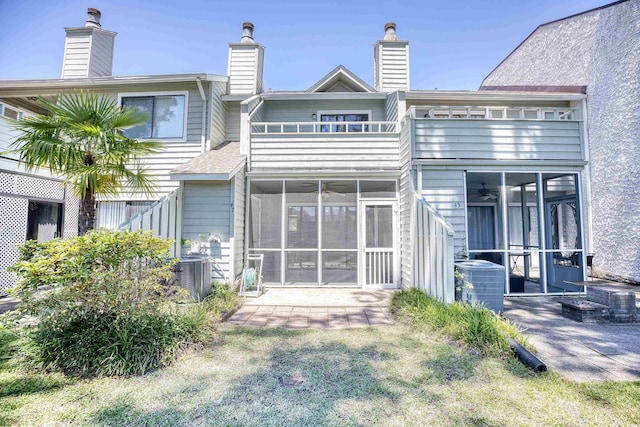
{"x": 88, "y": 50}
{"x": 391, "y": 62}
{"x": 246, "y": 61}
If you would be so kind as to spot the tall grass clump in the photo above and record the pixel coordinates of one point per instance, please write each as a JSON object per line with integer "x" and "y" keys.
{"x": 101, "y": 305}
{"x": 475, "y": 326}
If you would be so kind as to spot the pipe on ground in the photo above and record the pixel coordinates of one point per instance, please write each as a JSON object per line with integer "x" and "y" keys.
{"x": 526, "y": 357}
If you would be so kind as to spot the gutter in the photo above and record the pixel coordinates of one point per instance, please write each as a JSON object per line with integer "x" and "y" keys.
{"x": 20, "y": 88}
{"x": 203, "y": 135}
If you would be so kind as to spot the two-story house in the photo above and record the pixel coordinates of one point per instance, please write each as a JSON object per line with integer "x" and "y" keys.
{"x": 347, "y": 184}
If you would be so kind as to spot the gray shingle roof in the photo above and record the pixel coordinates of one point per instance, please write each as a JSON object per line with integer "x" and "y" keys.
{"x": 224, "y": 159}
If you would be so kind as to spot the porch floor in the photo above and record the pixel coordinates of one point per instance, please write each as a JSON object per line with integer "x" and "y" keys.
{"x": 577, "y": 351}
{"x": 317, "y": 308}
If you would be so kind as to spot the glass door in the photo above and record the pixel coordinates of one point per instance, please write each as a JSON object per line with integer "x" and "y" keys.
{"x": 379, "y": 267}
{"x": 563, "y": 240}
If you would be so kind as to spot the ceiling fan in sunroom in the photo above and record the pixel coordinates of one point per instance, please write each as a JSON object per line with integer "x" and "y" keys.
{"x": 486, "y": 194}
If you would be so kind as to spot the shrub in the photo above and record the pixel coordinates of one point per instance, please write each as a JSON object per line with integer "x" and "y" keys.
{"x": 106, "y": 309}
{"x": 475, "y": 326}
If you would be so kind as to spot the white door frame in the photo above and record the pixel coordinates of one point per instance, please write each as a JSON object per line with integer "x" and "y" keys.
{"x": 362, "y": 269}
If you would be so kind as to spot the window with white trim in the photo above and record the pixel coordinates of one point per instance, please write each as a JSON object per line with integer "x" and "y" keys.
{"x": 10, "y": 112}
{"x": 165, "y": 116}
{"x": 344, "y": 117}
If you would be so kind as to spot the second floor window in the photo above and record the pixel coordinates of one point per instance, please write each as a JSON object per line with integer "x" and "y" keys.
{"x": 352, "y": 127}
{"x": 165, "y": 116}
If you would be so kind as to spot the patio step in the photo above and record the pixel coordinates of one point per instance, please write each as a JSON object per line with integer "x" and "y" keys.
{"x": 583, "y": 310}
{"x": 621, "y": 303}
{"x": 602, "y": 303}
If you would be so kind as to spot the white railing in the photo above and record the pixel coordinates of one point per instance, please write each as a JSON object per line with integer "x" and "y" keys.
{"x": 494, "y": 113}
{"x": 161, "y": 218}
{"x": 379, "y": 266}
{"x": 323, "y": 127}
{"x": 432, "y": 250}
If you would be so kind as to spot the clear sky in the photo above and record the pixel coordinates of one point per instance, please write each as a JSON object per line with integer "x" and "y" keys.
{"x": 453, "y": 44}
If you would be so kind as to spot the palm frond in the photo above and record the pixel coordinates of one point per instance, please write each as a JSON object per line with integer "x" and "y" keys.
{"x": 81, "y": 139}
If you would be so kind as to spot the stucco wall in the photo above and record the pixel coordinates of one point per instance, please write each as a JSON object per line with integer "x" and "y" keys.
{"x": 602, "y": 50}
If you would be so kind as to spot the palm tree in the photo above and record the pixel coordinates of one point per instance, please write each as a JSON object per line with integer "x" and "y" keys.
{"x": 80, "y": 138}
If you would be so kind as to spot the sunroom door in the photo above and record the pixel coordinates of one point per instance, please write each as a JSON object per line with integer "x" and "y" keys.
{"x": 379, "y": 226}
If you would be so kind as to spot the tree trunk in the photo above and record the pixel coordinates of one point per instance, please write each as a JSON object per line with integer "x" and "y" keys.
{"x": 87, "y": 214}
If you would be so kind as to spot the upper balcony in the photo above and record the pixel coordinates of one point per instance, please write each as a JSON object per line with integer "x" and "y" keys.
{"x": 332, "y": 142}
{"x": 324, "y": 128}
{"x": 324, "y": 145}
{"x": 476, "y": 134}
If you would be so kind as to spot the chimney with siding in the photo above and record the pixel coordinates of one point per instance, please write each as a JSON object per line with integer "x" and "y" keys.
{"x": 88, "y": 50}
{"x": 246, "y": 60}
{"x": 391, "y": 62}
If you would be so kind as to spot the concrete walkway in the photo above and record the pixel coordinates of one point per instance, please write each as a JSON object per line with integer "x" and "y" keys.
{"x": 299, "y": 308}
{"x": 8, "y": 304}
{"x": 578, "y": 351}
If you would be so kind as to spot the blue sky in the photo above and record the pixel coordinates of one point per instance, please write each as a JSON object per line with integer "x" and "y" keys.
{"x": 453, "y": 44}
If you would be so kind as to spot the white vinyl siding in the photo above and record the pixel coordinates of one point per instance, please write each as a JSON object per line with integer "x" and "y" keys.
{"x": 444, "y": 190}
{"x": 391, "y": 66}
{"x": 391, "y": 108}
{"x": 302, "y": 111}
{"x": 245, "y": 68}
{"x": 406, "y": 253}
{"x": 217, "y": 132}
{"x": 206, "y": 209}
{"x": 101, "y": 62}
{"x": 76, "y": 56}
{"x": 324, "y": 151}
{"x": 159, "y": 165}
{"x": 88, "y": 52}
{"x": 491, "y": 140}
{"x": 239, "y": 218}
{"x": 233, "y": 121}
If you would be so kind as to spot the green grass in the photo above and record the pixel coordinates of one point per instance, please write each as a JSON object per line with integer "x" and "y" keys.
{"x": 475, "y": 326}
{"x": 393, "y": 376}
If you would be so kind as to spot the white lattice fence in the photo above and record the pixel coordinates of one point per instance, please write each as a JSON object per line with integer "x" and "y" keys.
{"x": 70, "y": 223}
{"x": 31, "y": 186}
{"x": 13, "y": 217}
{"x": 14, "y": 213}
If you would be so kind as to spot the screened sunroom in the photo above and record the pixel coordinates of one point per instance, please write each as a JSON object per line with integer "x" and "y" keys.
{"x": 532, "y": 224}
{"x": 324, "y": 232}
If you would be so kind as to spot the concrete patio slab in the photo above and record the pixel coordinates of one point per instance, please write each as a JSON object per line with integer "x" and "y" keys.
{"x": 323, "y": 297}
{"x": 299, "y": 308}
{"x": 577, "y": 351}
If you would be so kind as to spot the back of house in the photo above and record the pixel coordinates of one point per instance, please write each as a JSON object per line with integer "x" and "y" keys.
{"x": 345, "y": 184}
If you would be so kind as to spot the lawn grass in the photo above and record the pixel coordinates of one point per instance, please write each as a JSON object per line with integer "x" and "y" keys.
{"x": 393, "y": 375}
{"x": 474, "y": 326}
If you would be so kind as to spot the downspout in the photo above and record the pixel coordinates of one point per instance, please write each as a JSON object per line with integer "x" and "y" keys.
{"x": 203, "y": 141}
{"x": 587, "y": 174}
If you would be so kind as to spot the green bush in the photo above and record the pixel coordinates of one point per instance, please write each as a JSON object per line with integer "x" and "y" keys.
{"x": 475, "y": 326}
{"x": 102, "y": 305}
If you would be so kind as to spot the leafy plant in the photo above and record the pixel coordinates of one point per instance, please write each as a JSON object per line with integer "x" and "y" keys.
{"x": 80, "y": 138}
{"x": 102, "y": 305}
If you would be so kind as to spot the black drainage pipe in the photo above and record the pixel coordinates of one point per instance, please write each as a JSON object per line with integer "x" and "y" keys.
{"x": 527, "y": 357}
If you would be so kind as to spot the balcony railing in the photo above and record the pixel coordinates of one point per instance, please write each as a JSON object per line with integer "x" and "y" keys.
{"x": 494, "y": 113}
{"x": 281, "y": 128}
